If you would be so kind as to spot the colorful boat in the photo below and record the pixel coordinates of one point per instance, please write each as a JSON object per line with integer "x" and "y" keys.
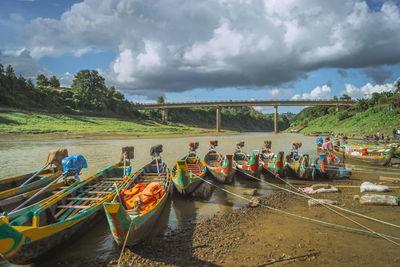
{"x": 132, "y": 219}
{"x": 329, "y": 166}
{"x": 187, "y": 172}
{"x": 373, "y": 158}
{"x": 220, "y": 166}
{"x": 298, "y": 167}
{"x": 249, "y": 166}
{"x": 24, "y": 183}
{"x": 65, "y": 215}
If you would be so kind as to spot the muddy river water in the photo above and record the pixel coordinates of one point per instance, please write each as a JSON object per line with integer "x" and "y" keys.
{"x": 18, "y": 157}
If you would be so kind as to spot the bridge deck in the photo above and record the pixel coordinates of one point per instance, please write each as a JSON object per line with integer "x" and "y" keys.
{"x": 247, "y": 103}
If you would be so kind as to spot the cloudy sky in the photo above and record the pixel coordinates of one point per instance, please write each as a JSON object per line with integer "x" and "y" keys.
{"x": 191, "y": 50}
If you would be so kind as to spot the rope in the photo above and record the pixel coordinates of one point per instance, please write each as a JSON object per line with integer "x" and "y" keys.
{"x": 302, "y": 217}
{"x": 344, "y": 216}
{"x": 338, "y": 207}
{"x": 123, "y": 247}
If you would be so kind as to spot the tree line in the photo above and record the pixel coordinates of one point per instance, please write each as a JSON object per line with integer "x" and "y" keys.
{"x": 89, "y": 95}
{"x": 377, "y": 101}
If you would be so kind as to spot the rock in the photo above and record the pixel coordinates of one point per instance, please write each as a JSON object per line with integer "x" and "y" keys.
{"x": 356, "y": 197}
{"x": 250, "y": 192}
{"x": 255, "y": 203}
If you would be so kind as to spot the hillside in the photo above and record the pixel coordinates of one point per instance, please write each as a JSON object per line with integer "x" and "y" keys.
{"x": 367, "y": 116}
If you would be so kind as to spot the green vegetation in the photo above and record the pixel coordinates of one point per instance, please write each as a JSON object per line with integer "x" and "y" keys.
{"x": 380, "y": 112}
{"x": 89, "y": 96}
{"x": 14, "y": 122}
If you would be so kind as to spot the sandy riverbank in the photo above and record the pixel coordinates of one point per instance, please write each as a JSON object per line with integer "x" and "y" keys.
{"x": 259, "y": 237}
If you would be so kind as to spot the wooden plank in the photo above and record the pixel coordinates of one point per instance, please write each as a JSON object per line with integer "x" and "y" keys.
{"x": 103, "y": 186}
{"x": 115, "y": 179}
{"x": 85, "y": 198}
{"x": 73, "y": 207}
{"x": 391, "y": 179}
{"x": 98, "y": 192}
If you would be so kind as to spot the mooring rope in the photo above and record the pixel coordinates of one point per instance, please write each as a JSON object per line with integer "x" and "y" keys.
{"x": 337, "y": 212}
{"x": 300, "y": 216}
{"x": 331, "y": 205}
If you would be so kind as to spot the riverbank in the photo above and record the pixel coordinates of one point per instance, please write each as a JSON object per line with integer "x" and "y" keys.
{"x": 39, "y": 126}
{"x": 259, "y": 237}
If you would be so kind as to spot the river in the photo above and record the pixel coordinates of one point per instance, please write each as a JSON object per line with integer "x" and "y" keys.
{"x": 18, "y": 157}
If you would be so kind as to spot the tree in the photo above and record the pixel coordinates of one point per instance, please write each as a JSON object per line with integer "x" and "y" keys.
{"x": 42, "y": 80}
{"x": 10, "y": 72}
{"x": 29, "y": 84}
{"x": 397, "y": 87}
{"x": 54, "y": 82}
{"x": 345, "y": 97}
{"x": 89, "y": 90}
{"x": 160, "y": 100}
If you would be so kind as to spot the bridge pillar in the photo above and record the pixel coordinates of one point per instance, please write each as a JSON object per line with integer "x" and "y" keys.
{"x": 337, "y": 108}
{"x": 218, "y": 119}
{"x": 275, "y": 119}
{"x": 164, "y": 115}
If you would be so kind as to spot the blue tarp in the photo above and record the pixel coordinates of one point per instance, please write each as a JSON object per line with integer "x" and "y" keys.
{"x": 74, "y": 164}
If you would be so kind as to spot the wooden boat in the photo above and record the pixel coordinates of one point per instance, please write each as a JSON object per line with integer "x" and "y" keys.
{"x": 65, "y": 215}
{"x": 244, "y": 164}
{"x": 187, "y": 172}
{"x": 298, "y": 167}
{"x": 220, "y": 166}
{"x": 329, "y": 166}
{"x": 134, "y": 216}
{"x": 349, "y": 152}
{"x": 24, "y": 183}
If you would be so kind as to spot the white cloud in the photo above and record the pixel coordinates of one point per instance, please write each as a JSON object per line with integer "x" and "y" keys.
{"x": 367, "y": 90}
{"x": 180, "y": 45}
{"x": 319, "y": 92}
{"x": 124, "y": 66}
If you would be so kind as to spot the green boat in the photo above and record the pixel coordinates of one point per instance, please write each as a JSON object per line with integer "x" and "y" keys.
{"x": 67, "y": 214}
{"x": 187, "y": 173}
{"x": 141, "y": 202}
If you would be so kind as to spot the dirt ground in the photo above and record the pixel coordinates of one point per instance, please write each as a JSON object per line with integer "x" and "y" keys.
{"x": 259, "y": 237}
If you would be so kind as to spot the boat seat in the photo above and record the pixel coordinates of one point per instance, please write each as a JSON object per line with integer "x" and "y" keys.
{"x": 72, "y": 207}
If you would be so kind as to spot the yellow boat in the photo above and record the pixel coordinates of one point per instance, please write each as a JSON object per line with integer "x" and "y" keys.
{"x": 61, "y": 217}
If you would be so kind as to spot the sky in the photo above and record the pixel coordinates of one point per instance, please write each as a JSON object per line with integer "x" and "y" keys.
{"x": 190, "y": 50}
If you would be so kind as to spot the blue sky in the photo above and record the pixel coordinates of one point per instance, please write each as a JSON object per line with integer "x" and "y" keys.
{"x": 209, "y": 50}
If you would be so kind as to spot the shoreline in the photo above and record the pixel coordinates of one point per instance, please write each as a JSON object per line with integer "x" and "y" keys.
{"x": 257, "y": 236}
{"x": 103, "y": 136}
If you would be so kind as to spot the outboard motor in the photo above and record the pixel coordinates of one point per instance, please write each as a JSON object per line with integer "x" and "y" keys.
{"x": 193, "y": 146}
{"x": 73, "y": 165}
{"x": 156, "y": 150}
{"x": 213, "y": 144}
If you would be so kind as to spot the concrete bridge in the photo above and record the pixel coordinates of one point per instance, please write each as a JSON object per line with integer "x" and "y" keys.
{"x": 220, "y": 104}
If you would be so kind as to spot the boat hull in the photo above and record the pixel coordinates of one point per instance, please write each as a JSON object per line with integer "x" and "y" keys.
{"x": 29, "y": 252}
{"x": 220, "y": 176}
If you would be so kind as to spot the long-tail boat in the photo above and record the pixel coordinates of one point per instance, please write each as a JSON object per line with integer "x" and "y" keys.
{"x": 220, "y": 166}
{"x": 296, "y": 166}
{"x": 329, "y": 166}
{"x": 363, "y": 155}
{"x": 187, "y": 171}
{"x": 65, "y": 215}
{"x": 24, "y": 183}
{"x": 141, "y": 202}
{"x": 245, "y": 164}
